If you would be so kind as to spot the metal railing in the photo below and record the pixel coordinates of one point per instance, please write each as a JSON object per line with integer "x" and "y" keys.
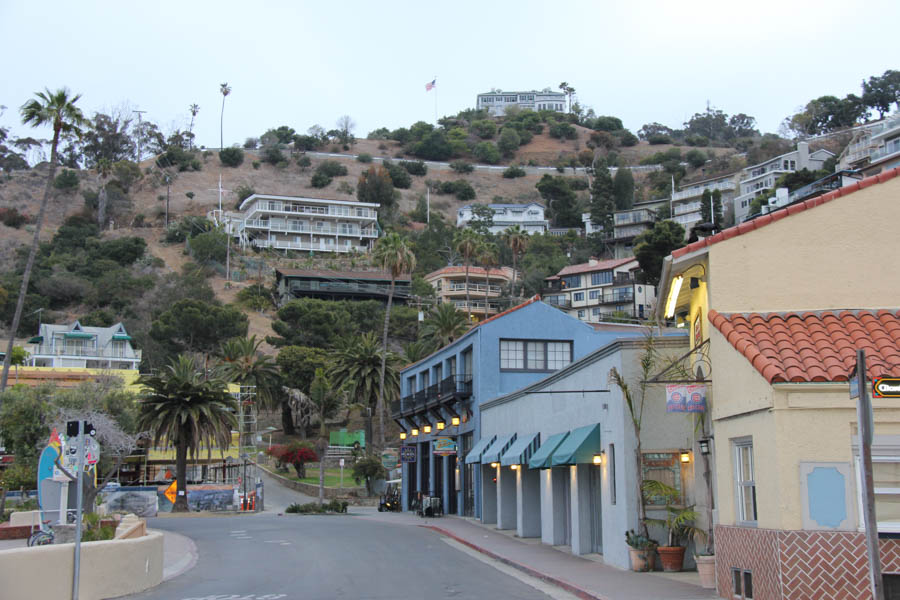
{"x": 473, "y": 287}
{"x": 305, "y": 246}
{"x": 294, "y": 227}
{"x": 332, "y": 211}
{"x": 51, "y": 350}
{"x": 453, "y": 387}
{"x": 350, "y": 287}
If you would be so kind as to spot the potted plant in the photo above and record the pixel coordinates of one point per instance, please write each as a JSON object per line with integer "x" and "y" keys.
{"x": 641, "y": 550}
{"x": 706, "y": 567}
{"x": 678, "y": 523}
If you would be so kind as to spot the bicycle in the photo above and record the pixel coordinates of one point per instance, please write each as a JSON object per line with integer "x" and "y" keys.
{"x": 44, "y": 536}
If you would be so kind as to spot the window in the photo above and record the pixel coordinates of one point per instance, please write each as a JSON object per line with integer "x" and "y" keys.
{"x": 746, "y": 484}
{"x": 522, "y": 355}
{"x": 580, "y": 314}
{"x": 594, "y": 294}
{"x": 612, "y": 474}
{"x": 741, "y": 584}
{"x": 886, "y": 479}
{"x": 601, "y": 278}
{"x": 572, "y": 281}
{"x": 579, "y": 296}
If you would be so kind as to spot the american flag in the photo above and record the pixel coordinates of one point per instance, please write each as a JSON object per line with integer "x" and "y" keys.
{"x": 430, "y": 85}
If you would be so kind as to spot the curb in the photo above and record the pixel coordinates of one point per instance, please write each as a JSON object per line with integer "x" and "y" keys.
{"x": 186, "y": 562}
{"x": 569, "y": 587}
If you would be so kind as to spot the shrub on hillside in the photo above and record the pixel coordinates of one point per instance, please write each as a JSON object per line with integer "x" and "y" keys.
{"x": 332, "y": 168}
{"x": 304, "y": 162}
{"x": 66, "y": 181}
{"x": 364, "y": 158}
{"x": 320, "y": 180}
{"x": 696, "y": 158}
{"x": 484, "y": 129}
{"x": 578, "y": 184}
{"x": 243, "y": 192}
{"x": 461, "y": 166}
{"x": 272, "y": 155}
{"x": 415, "y": 167}
{"x": 563, "y": 131}
{"x": 513, "y": 172}
{"x": 509, "y": 142}
{"x": 659, "y": 138}
{"x": 626, "y": 138}
{"x": 399, "y": 176}
{"x": 231, "y": 157}
{"x": 487, "y": 152}
{"x": 11, "y": 217}
{"x": 209, "y": 247}
{"x": 461, "y": 188}
{"x": 251, "y": 143}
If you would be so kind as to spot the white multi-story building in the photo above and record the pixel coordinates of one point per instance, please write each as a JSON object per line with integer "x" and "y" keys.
{"x": 497, "y": 101}
{"x": 530, "y": 217}
{"x": 76, "y": 346}
{"x": 686, "y": 202}
{"x": 598, "y": 290}
{"x": 885, "y": 154}
{"x": 307, "y": 224}
{"x": 627, "y": 225}
{"x": 759, "y": 179}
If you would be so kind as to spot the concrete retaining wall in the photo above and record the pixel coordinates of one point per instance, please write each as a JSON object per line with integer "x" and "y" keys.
{"x": 349, "y": 493}
{"x": 108, "y": 569}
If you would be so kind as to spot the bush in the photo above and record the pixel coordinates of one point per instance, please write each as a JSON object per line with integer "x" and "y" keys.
{"x": 462, "y": 189}
{"x": 487, "y": 152}
{"x": 314, "y": 508}
{"x": 626, "y": 138}
{"x": 368, "y": 469}
{"x": 399, "y": 176}
{"x": 12, "y": 217}
{"x": 320, "y": 180}
{"x": 332, "y": 168}
{"x": 509, "y": 141}
{"x": 659, "y": 138}
{"x": 66, "y": 181}
{"x": 243, "y": 192}
{"x": 513, "y": 172}
{"x": 209, "y": 247}
{"x": 304, "y": 162}
{"x": 272, "y": 155}
{"x": 484, "y": 129}
{"x": 364, "y": 158}
{"x": 255, "y": 297}
{"x": 231, "y": 157}
{"x": 251, "y": 143}
{"x": 256, "y": 164}
{"x": 578, "y": 184}
{"x": 294, "y": 453}
{"x": 696, "y": 158}
{"x": 563, "y": 131}
{"x": 415, "y": 167}
{"x": 461, "y": 166}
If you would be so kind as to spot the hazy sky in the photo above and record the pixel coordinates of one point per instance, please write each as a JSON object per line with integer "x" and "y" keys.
{"x": 305, "y": 63}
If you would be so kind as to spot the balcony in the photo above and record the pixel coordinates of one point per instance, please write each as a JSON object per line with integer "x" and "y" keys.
{"x": 295, "y": 227}
{"x": 307, "y": 247}
{"x": 633, "y": 217}
{"x": 892, "y": 147}
{"x": 330, "y": 211}
{"x": 349, "y": 288}
{"x": 46, "y": 350}
{"x": 886, "y": 128}
{"x": 487, "y": 308}
{"x": 450, "y": 389}
{"x": 558, "y": 301}
{"x": 691, "y": 192}
{"x": 477, "y": 288}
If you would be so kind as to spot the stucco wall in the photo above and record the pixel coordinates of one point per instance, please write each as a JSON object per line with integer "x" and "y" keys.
{"x": 836, "y": 255}
{"x": 108, "y": 569}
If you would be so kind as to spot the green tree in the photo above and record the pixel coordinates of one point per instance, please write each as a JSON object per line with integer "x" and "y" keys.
{"x": 444, "y": 323}
{"x": 653, "y": 245}
{"x": 311, "y": 322}
{"x": 298, "y": 366}
{"x": 486, "y": 152}
{"x": 603, "y": 203}
{"x": 509, "y": 142}
{"x": 561, "y": 200}
{"x": 485, "y": 129}
{"x": 368, "y": 469}
{"x": 482, "y": 218}
{"x": 187, "y": 408}
{"x": 466, "y": 242}
{"x": 107, "y": 137}
{"x": 517, "y": 240}
{"x": 623, "y": 189}
{"x": 488, "y": 257}
{"x": 417, "y": 350}
{"x": 58, "y": 110}
{"x": 25, "y": 419}
{"x": 375, "y": 185}
{"x": 696, "y": 158}
{"x": 231, "y": 157}
{"x": 243, "y": 363}
{"x": 394, "y": 254}
{"x": 325, "y": 403}
{"x": 194, "y": 108}
{"x": 197, "y": 326}
{"x": 711, "y": 207}
{"x": 224, "y": 89}
{"x": 880, "y": 92}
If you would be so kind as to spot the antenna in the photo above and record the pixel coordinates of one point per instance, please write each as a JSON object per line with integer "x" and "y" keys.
{"x": 139, "y": 113}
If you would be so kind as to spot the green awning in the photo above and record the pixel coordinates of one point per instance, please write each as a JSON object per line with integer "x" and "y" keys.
{"x": 541, "y": 458}
{"x": 78, "y": 335}
{"x": 496, "y": 450}
{"x": 121, "y": 336}
{"x": 521, "y": 450}
{"x": 38, "y": 339}
{"x": 474, "y": 455}
{"x": 580, "y": 447}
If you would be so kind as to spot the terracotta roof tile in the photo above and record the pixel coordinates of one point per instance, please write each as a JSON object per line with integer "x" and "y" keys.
{"x": 814, "y": 346}
{"x": 784, "y": 212}
{"x": 587, "y": 267}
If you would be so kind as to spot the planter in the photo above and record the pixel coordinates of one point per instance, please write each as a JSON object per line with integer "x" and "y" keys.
{"x": 641, "y": 560}
{"x": 671, "y": 557}
{"x": 706, "y": 568}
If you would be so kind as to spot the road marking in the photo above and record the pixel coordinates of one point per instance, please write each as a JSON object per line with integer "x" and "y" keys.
{"x": 238, "y": 597}
{"x": 276, "y": 542}
{"x": 541, "y": 586}
{"x": 238, "y": 531}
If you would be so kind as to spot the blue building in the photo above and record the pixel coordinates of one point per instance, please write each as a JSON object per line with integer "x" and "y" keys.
{"x": 441, "y": 394}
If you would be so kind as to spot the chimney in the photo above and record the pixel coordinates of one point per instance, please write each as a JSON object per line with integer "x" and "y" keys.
{"x": 802, "y": 155}
{"x": 592, "y": 261}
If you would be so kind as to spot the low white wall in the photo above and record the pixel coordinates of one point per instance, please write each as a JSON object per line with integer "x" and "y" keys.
{"x": 108, "y": 569}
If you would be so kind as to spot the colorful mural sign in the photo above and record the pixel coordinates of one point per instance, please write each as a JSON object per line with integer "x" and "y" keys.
{"x": 408, "y": 454}
{"x": 686, "y": 398}
{"x": 443, "y": 446}
{"x": 390, "y": 458}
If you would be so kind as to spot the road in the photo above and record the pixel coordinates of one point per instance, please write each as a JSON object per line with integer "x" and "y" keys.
{"x": 270, "y": 557}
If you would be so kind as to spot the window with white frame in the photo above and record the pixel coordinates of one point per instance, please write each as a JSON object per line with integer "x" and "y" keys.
{"x": 534, "y": 355}
{"x": 745, "y": 481}
{"x": 886, "y": 479}
{"x": 579, "y": 297}
{"x": 594, "y": 294}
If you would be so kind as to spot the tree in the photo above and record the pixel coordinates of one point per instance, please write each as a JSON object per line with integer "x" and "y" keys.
{"x": 416, "y": 351}
{"x": 296, "y": 454}
{"x": 482, "y": 218}
{"x": 711, "y": 207}
{"x": 653, "y": 245}
{"x": 104, "y": 168}
{"x": 560, "y": 200}
{"x": 486, "y": 152}
{"x": 346, "y": 126}
{"x": 509, "y": 142}
{"x": 375, "y": 185}
{"x": 224, "y": 90}
{"x": 243, "y": 363}
{"x": 623, "y": 189}
{"x": 517, "y": 240}
{"x": 197, "y": 326}
{"x": 444, "y": 323}
{"x": 368, "y": 469}
{"x": 649, "y": 130}
{"x": 828, "y": 113}
{"x": 311, "y": 322}
{"x": 880, "y": 92}
{"x": 107, "y": 137}
{"x": 187, "y": 408}
{"x": 569, "y": 91}
{"x": 466, "y": 242}
{"x": 487, "y": 256}
{"x": 391, "y": 253}
{"x": 326, "y": 403}
{"x": 195, "y": 108}
{"x": 298, "y": 366}
{"x": 231, "y": 157}
{"x": 58, "y": 110}
{"x": 603, "y": 203}
{"x": 743, "y": 125}
{"x": 696, "y": 158}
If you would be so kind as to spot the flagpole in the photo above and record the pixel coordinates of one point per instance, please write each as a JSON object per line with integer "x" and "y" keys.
{"x": 435, "y": 101}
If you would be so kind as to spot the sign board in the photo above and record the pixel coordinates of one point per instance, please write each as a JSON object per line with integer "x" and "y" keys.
{"x": 170, "y": 491}
{"x": 686, "y": 397}
{"x": 390, "y": 458}
{"x": 408, "y": 454}
{"x": 342, "y": 463}
{"x": 443, "y": 446}
{"x": 885, "y": 387}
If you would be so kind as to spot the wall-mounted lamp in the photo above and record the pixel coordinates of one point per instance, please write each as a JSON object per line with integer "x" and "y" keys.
{"x": 414, "y": 432}
{"x": 494, "y": 465}
{"x": 598, "y": 458}
{"x": 455, "y": 421}
{"x": 514, "y": 467}
{"x": 426, "y": 429}
{"x": 685, "y": 456}
{"x": 704, "y": 446}
{"x": 402, "y": 435}
{"x": 441, "y": 425}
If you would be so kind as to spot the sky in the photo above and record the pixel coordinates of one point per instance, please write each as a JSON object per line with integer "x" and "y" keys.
{"x": 302, "y": 63}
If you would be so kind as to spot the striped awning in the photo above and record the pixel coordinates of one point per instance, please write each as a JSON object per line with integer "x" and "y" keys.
{"x": 579, "y": 447}
{"x": 541, "y": 458}
{"x": 498, "y": 448}
{"x": 520, "y": 452}
{"x": 474, "y": 455}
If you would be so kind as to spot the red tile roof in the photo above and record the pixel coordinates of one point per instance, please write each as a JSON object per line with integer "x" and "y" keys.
{"x": 814, "y": 346}
{"x": 473, "y": 271}
{"x": 587, "y": 267}
{"x": 764, "y": 220}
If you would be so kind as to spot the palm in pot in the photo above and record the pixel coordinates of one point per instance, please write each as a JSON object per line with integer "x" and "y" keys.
{"x": 678, "y": 523}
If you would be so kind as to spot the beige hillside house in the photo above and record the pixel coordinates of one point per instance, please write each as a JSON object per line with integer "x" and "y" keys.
{"x": 776, "y": 308}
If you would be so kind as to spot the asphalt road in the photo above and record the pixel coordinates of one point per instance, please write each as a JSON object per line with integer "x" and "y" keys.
{"x": 270, "y": 557}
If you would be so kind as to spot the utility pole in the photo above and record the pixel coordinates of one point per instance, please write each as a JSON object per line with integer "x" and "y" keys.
{"x": 225, "y": 228}
{"x": 168, "y": 185}
{"x": 140, "y": 133}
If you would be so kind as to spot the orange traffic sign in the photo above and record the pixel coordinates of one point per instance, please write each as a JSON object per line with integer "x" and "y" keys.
{"x": 170, "y": 491}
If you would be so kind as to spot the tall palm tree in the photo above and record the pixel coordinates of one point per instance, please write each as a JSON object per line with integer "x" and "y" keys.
{"x": 325, "y": 402}
{"x": 244, "y": 364}
{"x": 357, "y": 365}
{"x": 186, "y": 408}
{"x": 517, "y": 240}
{"x": 392, "y": 253}
{"x": 415, "y": 351}
{"x": 225, "y": 90}
{"x": 58, "y": 110}
{"x": 444, "y": 324}
{"x": 466, "y": 243}
{"x": 195, "y": 108}
{"x": 487, "y": 256}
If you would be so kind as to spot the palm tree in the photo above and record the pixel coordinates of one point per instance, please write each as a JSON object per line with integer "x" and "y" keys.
{"x": 195, "y": 108}
{"x": 243, "y": 363}
{"x": 487, "y": 256}
{"x": 517, "y": 240}
{"x": 444, "y": 324}
{"x": 466, "y": 243}
{"x": 392, "y": 253}
{"x": 187, "y": 408}
{"x": 357, "y": 365}
{"x": 413, "y": 352}
{"x": 58, "y": 110}
{"x": 325, "y": 403}
{"x": 225, "y": 91}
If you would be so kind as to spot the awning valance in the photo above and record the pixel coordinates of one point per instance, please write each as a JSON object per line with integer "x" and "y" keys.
{"x": 521, "y": 450}
{"x": 78, "y": 335}
{"x": 541, "y": 458}
{"x": 38, "y": 339}
{"x": 579, "y": 448}
{"x": 474, "y": 455}
{"x": 121, "y": 336}
{"x": 498, "y": 448}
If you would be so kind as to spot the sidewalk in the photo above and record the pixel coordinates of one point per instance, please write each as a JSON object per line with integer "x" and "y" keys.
{"x": 584, "y": 577}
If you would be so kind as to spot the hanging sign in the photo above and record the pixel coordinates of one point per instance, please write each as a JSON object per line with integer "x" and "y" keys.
{"x": 695, "y": 398}
{"x": 676, "y": 397}
{"x": 884, "y": 387}
{"x": 444, "y": 446}
{"x": 408, "y": 454}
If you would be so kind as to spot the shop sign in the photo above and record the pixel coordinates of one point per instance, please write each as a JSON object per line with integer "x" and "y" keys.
{"x": 443, "y": 446}
{"x": 408, "y": 454}
{"x": 686, "y": 398}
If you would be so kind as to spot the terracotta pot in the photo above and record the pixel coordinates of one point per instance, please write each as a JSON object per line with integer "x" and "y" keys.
{"x": 706, "y": 568}
{"x": 671, "y": 557}
{"x": 641, "y": 560}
